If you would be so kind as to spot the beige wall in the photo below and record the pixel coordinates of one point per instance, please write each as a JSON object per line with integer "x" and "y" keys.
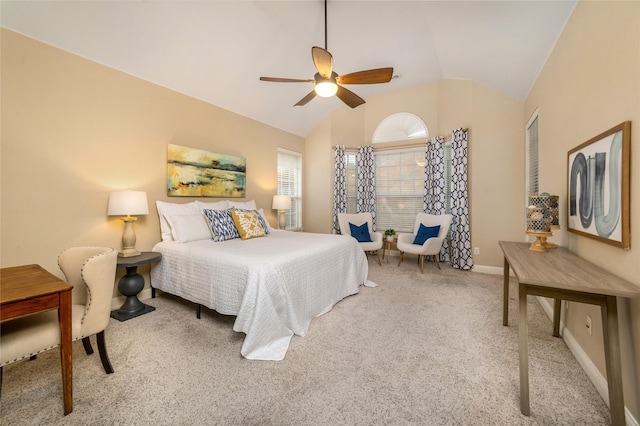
{"x": 590, "y": 83}
{"x": 496, "y": 152}
{"x": 318, "y": 182}
{"x": 74, "y": 130}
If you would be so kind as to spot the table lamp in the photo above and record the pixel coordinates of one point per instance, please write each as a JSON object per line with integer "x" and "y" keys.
{"x": 281, "y": 203}
{"x": 542, "y": 216}
{"x": 127, "y": 203}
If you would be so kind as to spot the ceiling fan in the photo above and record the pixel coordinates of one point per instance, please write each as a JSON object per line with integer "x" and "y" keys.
{"x": 328, "y": 82}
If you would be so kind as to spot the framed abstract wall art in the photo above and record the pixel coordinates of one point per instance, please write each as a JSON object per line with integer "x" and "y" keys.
{"x": 197, "y": 173}
{"x": 598, "y": 187}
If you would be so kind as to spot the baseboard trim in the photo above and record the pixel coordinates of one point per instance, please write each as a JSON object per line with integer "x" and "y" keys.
{"x": 492, "y": 270}
{"x": 598, "y": 380}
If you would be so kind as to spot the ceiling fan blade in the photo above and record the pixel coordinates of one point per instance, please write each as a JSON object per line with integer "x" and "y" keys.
{"x": 323, "y": 61}
{"x": 306, "y": 99}
{"x": 348, "y": 97}
{"x": 286, "y": 80}
{"x": 373, "y": 76}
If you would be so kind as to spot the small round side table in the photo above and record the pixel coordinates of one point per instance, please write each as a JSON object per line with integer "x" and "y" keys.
{"x": 387, "y": 247}
{"x": 132, "y": 283}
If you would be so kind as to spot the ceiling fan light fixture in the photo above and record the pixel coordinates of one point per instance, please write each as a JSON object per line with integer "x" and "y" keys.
{"x": 327, "y": 81}
{"x": 326, "y": 89}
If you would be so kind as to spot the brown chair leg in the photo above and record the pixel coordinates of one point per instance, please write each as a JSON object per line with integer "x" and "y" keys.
{"x": 87, "y": 345}
{"x": 378, "y": 255}
{"x": 421, "y": 263}
{"x": 437, "y": 262}
{"x": 401, "y": 256}
{"x": 102, "y": 349}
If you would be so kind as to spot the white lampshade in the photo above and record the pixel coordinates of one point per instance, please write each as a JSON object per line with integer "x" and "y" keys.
{"x": 126, "y": 203}
{"x": 281, "y": 202}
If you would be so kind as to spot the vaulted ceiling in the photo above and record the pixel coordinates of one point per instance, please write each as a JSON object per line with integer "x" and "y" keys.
{"x": 216, "y": 51}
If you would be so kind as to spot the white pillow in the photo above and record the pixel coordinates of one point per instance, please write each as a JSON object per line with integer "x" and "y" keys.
{"x": 247, "y": 205}
{"x": 165, "y": 208}
{"x": 261, "y": 213}
{"x": 188, "y": 227}
{"x": 217, "y": 205}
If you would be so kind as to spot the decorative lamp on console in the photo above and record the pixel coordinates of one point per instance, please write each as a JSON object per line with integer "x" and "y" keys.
{"x": 281, "y": 203}
{"x": 542, "y": 217}
{"x": 127, "y": 203}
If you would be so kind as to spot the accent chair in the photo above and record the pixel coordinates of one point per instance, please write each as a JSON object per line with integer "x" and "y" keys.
{"x": 429, "y": 233}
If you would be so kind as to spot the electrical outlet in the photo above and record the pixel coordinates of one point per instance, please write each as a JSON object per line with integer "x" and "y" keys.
{"x": 589, "y": 328}
{"x": 476, "y": 250}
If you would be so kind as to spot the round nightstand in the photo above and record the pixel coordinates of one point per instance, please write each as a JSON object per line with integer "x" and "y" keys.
{"x": 132, "y": 283}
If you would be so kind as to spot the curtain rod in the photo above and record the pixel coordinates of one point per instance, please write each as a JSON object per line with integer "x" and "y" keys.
{"x": 400, "y": 146}
{"x": 451, "y": 135}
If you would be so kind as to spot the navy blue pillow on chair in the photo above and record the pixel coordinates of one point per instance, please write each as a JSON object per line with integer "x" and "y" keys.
{"x": 426, "y": 232}
{"x": 360, "y": 233}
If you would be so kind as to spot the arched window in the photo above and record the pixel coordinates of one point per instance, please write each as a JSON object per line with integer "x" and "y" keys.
{"x": 400, "y": 171}
{"x": 400, "y": 126}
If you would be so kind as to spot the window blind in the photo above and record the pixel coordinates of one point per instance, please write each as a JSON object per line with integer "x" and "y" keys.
{"x": 532, "y": 156}
{"x": 352, "y": 174}
{"x": 399, "y": 188}
{"x": 290, "y": 183}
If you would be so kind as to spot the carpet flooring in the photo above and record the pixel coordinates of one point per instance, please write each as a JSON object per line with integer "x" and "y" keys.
{"x": 416, "y": 350}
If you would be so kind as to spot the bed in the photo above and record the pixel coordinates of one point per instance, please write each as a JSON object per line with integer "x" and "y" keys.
{"x": 274, "y": 285}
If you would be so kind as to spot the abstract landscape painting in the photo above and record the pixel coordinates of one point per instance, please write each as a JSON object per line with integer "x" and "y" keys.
{"x": 598, "y": 187}
{"x": 197, "y": 173}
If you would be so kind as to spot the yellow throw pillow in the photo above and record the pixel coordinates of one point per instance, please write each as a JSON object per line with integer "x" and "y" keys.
{"x": 247, "y": 224}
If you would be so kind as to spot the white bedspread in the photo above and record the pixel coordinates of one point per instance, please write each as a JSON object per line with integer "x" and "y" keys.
{"x": 274, "y": 285}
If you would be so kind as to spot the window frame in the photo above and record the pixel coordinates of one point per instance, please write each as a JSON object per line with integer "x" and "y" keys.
{"x": 532, "y": 177}
{"x": 412, "y": 190}
{"x": 292, "y": 161}
{"x": 351, "y": 169}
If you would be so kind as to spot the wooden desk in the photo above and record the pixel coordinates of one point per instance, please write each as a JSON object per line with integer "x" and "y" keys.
{"x": 562, "y": 275}
{"x": 27, "y": 290}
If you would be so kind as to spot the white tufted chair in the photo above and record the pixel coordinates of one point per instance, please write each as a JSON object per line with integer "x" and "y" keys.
{"x": 344, "y": 219}
{"x": 91, "y": 271}
{"x": 432, "y": 246}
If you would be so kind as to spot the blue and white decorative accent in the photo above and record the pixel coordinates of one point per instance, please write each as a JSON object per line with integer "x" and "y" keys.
{"x": 339, "y": 186}
{"x": 434, "y": 185}
{"x": 221, "y": 224}
{"x": 261, "y": 219}
{"x": 460, "y": 230}
{"x": 434, "y": 190}
{"x": 366, "y": 182}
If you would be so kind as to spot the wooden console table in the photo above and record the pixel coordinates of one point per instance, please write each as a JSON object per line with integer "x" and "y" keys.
{"x": 561, "y": 275}
{"x": 30, "y": 289}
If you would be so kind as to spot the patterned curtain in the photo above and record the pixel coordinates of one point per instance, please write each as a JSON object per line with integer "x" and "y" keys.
{"x": 461, "y": 255}
{"x": 434, "y": 190}
{"x": 366, "y": 181}
{"x": 339, "y": 186}
{"x": 434, "y": 185}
